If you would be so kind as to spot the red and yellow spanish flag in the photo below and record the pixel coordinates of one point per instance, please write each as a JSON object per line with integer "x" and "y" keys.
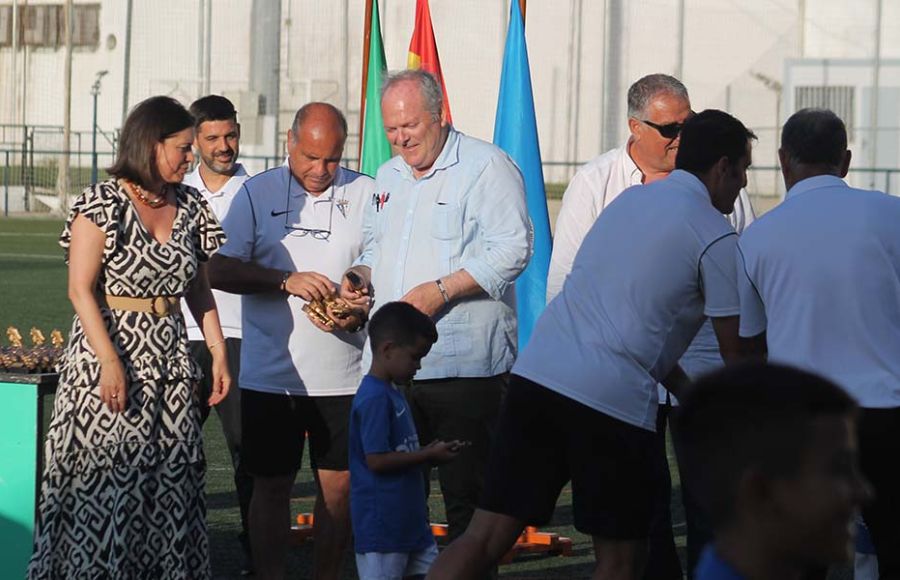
{"x": 423, "y": 51}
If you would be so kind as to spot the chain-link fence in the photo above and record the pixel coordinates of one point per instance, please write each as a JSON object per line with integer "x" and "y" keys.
{"x": 30, "y": 177}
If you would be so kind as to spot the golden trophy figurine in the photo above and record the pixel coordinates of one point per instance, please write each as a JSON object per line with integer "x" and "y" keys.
{"x": 15, "y": 338}
{"x": 37, "y": 337}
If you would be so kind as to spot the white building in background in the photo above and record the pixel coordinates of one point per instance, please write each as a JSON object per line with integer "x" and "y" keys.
{"x": 759, "y": 60}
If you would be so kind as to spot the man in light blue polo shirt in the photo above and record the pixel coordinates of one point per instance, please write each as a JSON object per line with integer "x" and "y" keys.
{"x": 588, "y": 375}
{"x": 821, "y": 283}
{"x": 448, "y": 231}
{"x": 293, "y": 231}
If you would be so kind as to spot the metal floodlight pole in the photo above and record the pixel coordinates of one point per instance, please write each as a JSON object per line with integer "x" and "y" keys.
{"x": 62, "y": 181}
{"x": 95, "y": 92}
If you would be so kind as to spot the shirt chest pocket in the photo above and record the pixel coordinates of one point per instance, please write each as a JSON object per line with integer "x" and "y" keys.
{"x": 446, "y": 222}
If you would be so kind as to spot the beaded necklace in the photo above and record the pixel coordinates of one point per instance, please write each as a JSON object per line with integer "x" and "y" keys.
{"x": 142, "y": 196}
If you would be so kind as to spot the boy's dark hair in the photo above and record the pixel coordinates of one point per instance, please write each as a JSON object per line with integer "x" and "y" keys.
{"x": 815, "y": 137}
{"x": 150, "y": 122}
{"x": 707, "y": 137}
{"x": 212, "y": 108}
{"x": 401, "y": 323}
{"x": 753, "y": 416}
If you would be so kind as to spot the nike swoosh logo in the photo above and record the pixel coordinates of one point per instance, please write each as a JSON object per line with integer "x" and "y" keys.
{"x": 278, "y": 213}
{"x": 402, "y": 410}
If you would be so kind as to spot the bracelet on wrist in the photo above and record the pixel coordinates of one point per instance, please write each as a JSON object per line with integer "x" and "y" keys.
{"x": 284, "y": 280}
{"x": 215, "y": 344}
{"x": 443, "y": 290}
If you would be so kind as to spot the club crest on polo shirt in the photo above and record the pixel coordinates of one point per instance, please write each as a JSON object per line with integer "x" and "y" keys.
{"x": 343, "y": 205}
{"x": 379, "y": 200}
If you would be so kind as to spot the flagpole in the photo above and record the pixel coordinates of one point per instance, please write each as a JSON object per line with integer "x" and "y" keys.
{"x": 367, "y": 35}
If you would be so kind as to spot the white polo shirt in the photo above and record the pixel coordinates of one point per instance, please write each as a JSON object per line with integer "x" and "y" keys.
{"x": 282, "y": 352}
{"x": 228, "y": 305}
{"x": 821, "y": 276}
{"x": 656, "y": 263}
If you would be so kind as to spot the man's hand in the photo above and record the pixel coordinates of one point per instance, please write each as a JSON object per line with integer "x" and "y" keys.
{"x": 355, "y": 288}
{"x": 426, "y": 297}
{"x": 309, "y": 286}
{"x": 314, "y": 319}
{"x": 349, "y": 322}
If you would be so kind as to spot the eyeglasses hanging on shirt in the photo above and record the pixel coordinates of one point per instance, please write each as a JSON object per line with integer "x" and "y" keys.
{"x": 297, "y": 230}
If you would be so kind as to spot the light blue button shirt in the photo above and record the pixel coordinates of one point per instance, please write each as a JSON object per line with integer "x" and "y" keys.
{"x": 468, "y": 212}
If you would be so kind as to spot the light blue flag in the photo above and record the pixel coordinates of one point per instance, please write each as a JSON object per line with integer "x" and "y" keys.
{"x": 515, "y": 131}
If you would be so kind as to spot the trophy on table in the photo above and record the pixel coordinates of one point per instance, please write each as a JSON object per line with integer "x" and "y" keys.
{"x": 40, "y": 357}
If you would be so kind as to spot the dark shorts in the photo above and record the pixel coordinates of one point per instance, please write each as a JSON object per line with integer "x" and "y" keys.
{"x": 545, "y": 440}
{"x": 879, "y": 448}
{"x": 275, "y": 425}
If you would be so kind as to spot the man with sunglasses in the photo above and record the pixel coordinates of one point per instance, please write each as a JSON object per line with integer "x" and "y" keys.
{"x": 658, "y": 106}
{"x": 292, "y": 232}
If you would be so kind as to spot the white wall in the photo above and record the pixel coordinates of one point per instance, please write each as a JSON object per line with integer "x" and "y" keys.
{"x": 732, "y": 51}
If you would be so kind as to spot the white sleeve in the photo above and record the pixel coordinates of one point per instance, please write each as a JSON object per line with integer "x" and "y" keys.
{"x": 743, "y": 214}
{"x": 718, "y": 273}
{"x": 576, "y": 216}
{"x": 753, "y": 311}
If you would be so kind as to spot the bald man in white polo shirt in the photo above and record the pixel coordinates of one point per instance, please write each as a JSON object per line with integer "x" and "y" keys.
{"x": 293, "y": 231}
{"x": 588, "y": 375}
{"x": 821, "y": 283}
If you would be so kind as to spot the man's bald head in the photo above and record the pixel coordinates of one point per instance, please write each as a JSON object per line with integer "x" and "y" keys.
{"x": 320, "y": 115}
{"x": 315, "y": 146}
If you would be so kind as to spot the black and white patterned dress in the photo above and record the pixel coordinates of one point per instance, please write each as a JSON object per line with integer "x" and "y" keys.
{"x": 123, "y": 494}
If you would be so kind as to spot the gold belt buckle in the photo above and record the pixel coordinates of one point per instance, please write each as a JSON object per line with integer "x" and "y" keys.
{"x": 160, "y": 306}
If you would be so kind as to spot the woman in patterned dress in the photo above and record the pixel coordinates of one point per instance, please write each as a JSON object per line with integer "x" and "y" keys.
{"x": 122, "y": 495}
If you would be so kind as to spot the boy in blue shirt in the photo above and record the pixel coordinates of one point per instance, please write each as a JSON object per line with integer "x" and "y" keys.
{"x": 392, "y": 536}
{"x": 772, "y": 451}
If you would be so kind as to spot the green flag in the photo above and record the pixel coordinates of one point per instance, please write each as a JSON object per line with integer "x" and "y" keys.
{"x": 375, "y": 148}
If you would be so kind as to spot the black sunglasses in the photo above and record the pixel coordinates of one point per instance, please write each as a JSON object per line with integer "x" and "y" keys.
{"x": 668, "y": 131}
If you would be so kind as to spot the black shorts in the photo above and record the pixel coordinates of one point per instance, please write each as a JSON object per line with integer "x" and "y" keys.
{"x": 275, "y": 425}
{"x": 879, "y": 447}
{"x": 545, "y": 439}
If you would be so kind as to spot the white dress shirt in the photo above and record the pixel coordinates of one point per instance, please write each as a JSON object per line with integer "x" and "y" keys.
{"x": 592, "y": 188}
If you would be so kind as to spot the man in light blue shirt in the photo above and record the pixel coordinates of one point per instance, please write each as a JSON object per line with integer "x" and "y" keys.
{"x": 447, "y": 231}
{"x": 820, "y": 282}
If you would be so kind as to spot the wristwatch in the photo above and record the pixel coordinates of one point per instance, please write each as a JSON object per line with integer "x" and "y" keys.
{"x": 284, "y": 279}
{"x": 363, "y": 319}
